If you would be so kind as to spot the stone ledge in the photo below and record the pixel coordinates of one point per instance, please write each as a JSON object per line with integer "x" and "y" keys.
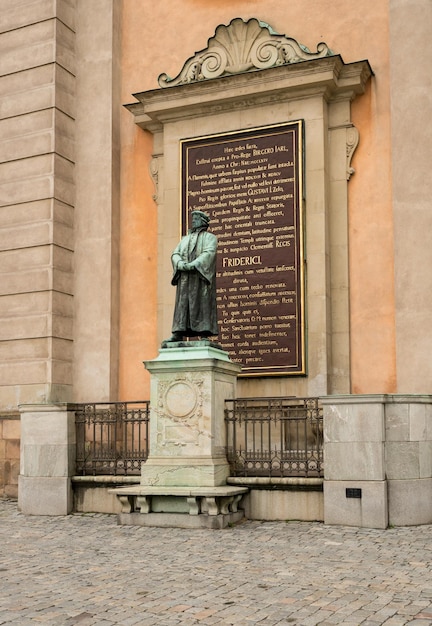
{"x": 179, "y": 520}
{"x": 145, "y": 490}
{"x": 107, "y": 480}
{"x": 275, "y": 482}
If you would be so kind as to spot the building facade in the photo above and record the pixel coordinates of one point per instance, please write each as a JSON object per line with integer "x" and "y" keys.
{"x": 89, "y": 212}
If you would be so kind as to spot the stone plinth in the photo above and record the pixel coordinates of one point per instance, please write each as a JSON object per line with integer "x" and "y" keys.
{"x": 378, "y": 468}
{"x": 187, "y": 430}
{"x": 47, "y": 459}
{"x": 183, "y": 482}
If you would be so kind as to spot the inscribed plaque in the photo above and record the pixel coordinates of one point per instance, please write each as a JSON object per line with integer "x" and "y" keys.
{"x": 250, "y": 183}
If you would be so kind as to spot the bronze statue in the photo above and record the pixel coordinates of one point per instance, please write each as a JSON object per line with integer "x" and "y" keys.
{"x": 194, "y": 266}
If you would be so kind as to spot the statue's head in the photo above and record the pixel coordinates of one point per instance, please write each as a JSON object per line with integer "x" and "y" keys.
{"x": 199, "y": 219}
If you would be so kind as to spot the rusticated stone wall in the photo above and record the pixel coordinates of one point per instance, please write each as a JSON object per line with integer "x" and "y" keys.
{"x": 37, "y": 108}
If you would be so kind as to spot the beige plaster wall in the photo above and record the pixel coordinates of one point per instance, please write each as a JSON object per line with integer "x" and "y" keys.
{"x": 411, "y": 104}
{"x": 155, "y": 41}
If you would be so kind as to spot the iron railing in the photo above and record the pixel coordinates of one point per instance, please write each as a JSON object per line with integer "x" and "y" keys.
{"x": 111, "y": 437}
{"x": 274, "y": 437}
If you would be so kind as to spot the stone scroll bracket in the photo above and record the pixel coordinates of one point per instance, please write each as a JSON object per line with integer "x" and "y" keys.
{"x": 352, "y": 140}
{"x": 154, "y": 173}
{"x": 241, "y": 47}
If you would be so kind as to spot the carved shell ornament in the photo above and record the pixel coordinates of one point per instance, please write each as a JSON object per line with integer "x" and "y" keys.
{"x": 240, "y": 47}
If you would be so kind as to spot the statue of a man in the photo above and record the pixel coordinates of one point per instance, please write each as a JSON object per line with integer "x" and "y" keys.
{"x": 194, "y": 266}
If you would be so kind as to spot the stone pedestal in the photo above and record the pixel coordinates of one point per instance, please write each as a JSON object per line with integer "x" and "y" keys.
{"x": 187, "y": 430}
{"x": 186, "y": 471}
{"x": 47, "y": 459}
{"x": 378, "y": 468}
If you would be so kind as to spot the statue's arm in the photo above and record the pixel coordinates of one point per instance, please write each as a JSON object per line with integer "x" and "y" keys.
{"x": 178, "y": 265}
{"x": 177, "y": 261}
{"x": 205, "y": 263}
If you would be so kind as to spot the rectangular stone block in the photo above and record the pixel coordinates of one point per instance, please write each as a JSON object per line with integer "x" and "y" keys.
{"x": 26, "y": 190}
{"x": 47, "y": 459}
{"x": 27, "y": 47}
{"x": 88, "y": 499}
{"x": 179, "y": 472}
{"x": 63, "y": 213}
{"x": 24, "y": 372}
{"x": 47, "y": 425}
{"x": 27, "y": 327}
{"x": 31, "y": 144}
{"x": 353, "y": 422}
{"x": 429, "y": 422}
{"x": 62, "y": 281}
{"x": 12, "y": 449}
{"x": 25, "y": 258}
{"x": 62, "y": 327}
{"x": 26, "y": 213}
{"x": 38, "y": 94}
{"x": 23, "y": 304}
{"x": 61, "y": 349}
{"x": 15, "y": 394}
{"x": 44, "y": 393}
{"x": 32, "y": 167}
{"x": 354, "y": 461}
{"x": 65, "y": 46}
{"x": 22, "y": 126}
{"x": 11, "y": 429}
{"x": 425, "y": 459}
{"x": 64, "y": 135}
{"x": 64, "y": 185}
{"x": 45, "y": 496}
{"x": 369, "y": 511}
{"x": 24, "y": 282}
{"x": 62, "y": 304}
{"x": 65, "y": 91}
{"x": 410, "y": 502}
{"x": 22, "y": 12}
{"x": 418, "y": 422}
{"x": 262, "y": 504}
{"x": 397, "y": 422}
{"x": 62, "y": 259}
{"x": 402, "y": 460}
{"x": 33, "y": 348}
{"x": 27, "y": 235}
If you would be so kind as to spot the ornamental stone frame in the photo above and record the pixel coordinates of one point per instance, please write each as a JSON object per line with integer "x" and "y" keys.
{"x": 249, "y": 77}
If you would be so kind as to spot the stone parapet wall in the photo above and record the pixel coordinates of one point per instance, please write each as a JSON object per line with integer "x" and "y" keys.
{"x": 378, "y": 460}
{"x": 408, "y": 458}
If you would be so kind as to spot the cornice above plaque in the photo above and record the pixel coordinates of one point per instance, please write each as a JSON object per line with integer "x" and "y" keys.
{"x": 242, "y": 47}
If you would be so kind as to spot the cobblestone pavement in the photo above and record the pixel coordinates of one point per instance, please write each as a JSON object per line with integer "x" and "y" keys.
{"x": 85, "y": 570}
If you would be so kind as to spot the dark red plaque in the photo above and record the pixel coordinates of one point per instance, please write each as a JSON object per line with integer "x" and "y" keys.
{"x": 250, "y": 183}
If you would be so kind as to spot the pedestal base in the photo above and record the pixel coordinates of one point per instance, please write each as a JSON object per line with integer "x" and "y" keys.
{"x": 190, "y": 471}
{"x": 180, "y": 507}
{"x": 174, "y": 520}
{"x": 183, "y": 482}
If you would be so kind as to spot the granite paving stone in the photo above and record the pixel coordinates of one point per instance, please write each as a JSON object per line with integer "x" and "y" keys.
{"x": 85, "y": 570}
